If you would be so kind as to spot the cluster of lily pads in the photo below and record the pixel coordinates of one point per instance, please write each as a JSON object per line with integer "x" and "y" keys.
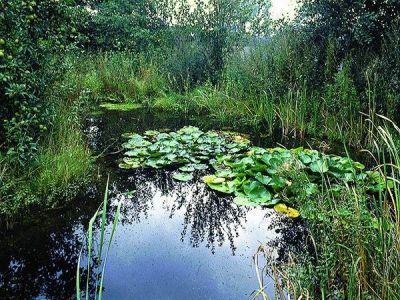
{"x": 254, "y": 175}
{"x": 266, "y": 177}
{"x": 189, "y": 148}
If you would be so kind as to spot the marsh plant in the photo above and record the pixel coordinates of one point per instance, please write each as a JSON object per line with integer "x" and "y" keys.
{"x": 96, "y": 265}
{"x": 354, "y": 237}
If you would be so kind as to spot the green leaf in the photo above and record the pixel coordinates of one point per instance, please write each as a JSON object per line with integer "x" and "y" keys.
{"x": 319, "y": 166}
{"x": 358, "y": 166}
{"x": 213, "y": 179}
{"x": 263, "y": 178}
{"x": 256, "y": 191}
{"x": 187, "y": 168}
{"x": 277, "y": 182}
{"x": 243, "y": 201}
{"x": 222, "y": 187}
{"x": 183, "y": 176}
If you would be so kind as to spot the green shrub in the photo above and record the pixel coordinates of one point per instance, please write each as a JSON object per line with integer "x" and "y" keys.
{"x": 28, "y": 36}
{"x": 343, "y": 100}
{"x": 272, "y": 66}
{"x": 187, "y": 64}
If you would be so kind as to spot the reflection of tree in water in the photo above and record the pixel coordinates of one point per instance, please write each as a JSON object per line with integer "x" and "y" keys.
{"x": 291, "y": 236}
{"x": 207, "y": 216}
{"x": 212, "y": 218}
{"x": 41, "y": 260}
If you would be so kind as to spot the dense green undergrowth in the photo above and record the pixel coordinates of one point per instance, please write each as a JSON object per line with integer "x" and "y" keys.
{"x": 327, "y": 74}
{"x": 334, "y": 114}
{"x": 354, "y": 239}
{"x": 58, "y": 172}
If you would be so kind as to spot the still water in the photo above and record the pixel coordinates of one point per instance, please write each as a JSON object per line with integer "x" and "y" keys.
{"x": 174, "y": 240}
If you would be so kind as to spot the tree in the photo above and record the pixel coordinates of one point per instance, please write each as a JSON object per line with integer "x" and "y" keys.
{"x": 355, "y": 24}
{"x": 30, "y": 32}
{"x": 132, "y": 25}
{"x": 222, "y": 25}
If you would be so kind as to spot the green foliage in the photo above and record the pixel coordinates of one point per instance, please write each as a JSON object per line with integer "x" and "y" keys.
{"x": 120, "y": 106}
{"x": 343, "y": 100}
{"x": 28, "y": 35}
{"x": 116, "y": 77}
{"x": 355, "y": 24}
{"x": 60, "y": 168}
{"x": 187, "y": 148}
{"x": 269, "y": 176}
{"x": 256, "y": 177}
{"x": 216, "y": 26}
{"x": 98, "y": 267}
{"x": 124, "y": 25}
{"x": 63, "y": 162}
{"x": 271, "y": 67}
{"x": 187, "y": 64}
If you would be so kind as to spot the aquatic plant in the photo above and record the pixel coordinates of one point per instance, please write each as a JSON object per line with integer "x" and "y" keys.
{"x": 120, "y": 106}
{"x": 188, "y": 148}
{"x": 100, "y": 263}
{"x": 267, "y": 177}
{"x": 254, "y": 175}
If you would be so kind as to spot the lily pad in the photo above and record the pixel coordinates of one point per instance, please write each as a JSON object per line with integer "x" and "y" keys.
{"x": 243, "y": 201}
{"x": 120, "y": 106}
{"x": 213, "y": 179}
{"x": 187, "y": 168}
{"x": 257, "y": 192}
{"x": 183, "y": 177}
{"x": 222, "y": 187}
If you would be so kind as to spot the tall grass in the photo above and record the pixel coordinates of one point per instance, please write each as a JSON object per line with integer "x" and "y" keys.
{"x": 354, "y": 237}
{"x": 64, "y": 159}
{"x": 119, "y": 77}
{"x": 99, "y": 266}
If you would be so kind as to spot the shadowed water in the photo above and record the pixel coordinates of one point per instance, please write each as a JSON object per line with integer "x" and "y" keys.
{"x": 174, "y": 240}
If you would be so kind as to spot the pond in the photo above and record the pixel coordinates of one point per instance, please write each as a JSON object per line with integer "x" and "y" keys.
{"x": 175, "y": 240}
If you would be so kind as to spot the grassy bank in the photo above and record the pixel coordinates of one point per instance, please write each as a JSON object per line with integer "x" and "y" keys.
{"x": 353, "y": 244}
{"x": 60, "y": 169}
{"x": 333, "y": 113}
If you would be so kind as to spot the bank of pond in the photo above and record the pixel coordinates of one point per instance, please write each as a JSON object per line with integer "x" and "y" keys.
{"x": 195, "y": 206}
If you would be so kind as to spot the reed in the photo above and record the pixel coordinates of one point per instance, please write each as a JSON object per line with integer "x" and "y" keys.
{"x": 355, "y": 239}
{"x": 99, "y": 265}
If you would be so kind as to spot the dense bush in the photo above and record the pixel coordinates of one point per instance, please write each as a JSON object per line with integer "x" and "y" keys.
{"x": 272, "y": 66}
{"x": 124, "y": 25}
{"x": 29, "y": 32}
{"x": 187, "y": 63}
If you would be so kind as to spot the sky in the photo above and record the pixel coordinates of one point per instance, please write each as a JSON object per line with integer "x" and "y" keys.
{"x": 279, "y": 8}
{"x": 282, "y": 7}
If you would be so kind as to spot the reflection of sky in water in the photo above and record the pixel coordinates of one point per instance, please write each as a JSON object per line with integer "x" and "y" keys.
{"x": 157, "y": 258}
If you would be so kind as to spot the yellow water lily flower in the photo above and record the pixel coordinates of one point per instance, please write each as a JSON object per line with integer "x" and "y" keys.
{"x": 213, "y": 179}
{"x": 284, "y": 209}
{"x": 250, "y": 153}
{"x": 292, "y": 213}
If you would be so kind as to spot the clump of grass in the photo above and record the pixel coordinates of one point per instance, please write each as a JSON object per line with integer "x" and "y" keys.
{"x": 120, "y": 76}
{"x": 61, "y": 168}
{"x": 64, "y": 161}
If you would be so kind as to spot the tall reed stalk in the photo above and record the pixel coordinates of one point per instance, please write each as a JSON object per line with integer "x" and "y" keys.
{"x": 100, "y": 262}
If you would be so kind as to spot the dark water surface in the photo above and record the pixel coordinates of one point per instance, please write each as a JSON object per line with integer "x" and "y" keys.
{"x": 174, "y": 241}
